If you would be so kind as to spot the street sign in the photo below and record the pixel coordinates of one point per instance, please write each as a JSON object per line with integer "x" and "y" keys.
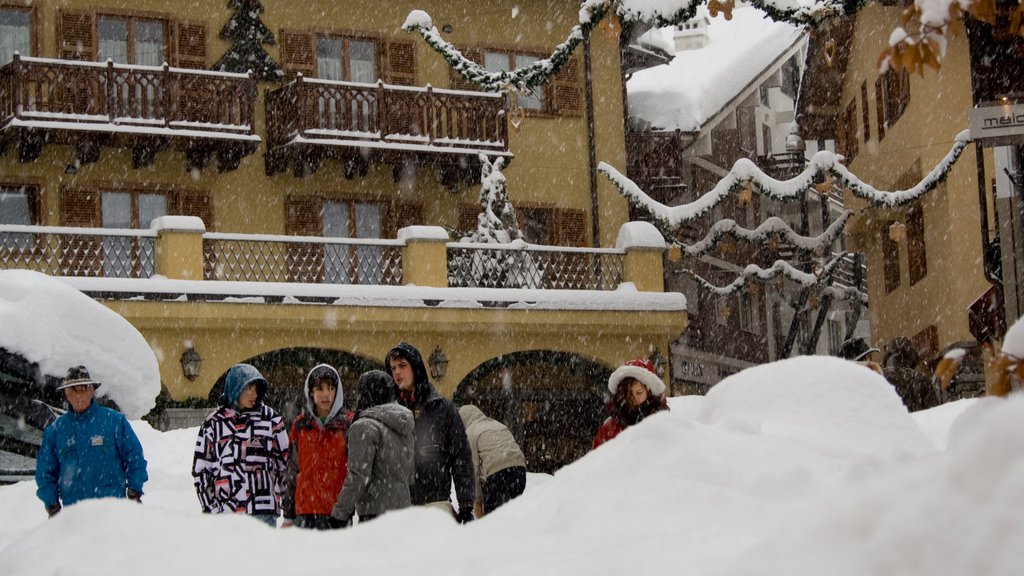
{"x": 997, "y": 123}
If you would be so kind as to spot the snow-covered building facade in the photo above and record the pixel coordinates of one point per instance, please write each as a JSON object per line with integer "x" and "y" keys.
{"x": 732, "y": 96}
{"x": 944, "y": 271}
{"x": 295, "y": 179}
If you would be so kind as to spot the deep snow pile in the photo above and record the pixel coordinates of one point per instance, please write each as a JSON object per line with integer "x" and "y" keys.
{"x": 47, "y": 321}
{"x": 807, "y": 466}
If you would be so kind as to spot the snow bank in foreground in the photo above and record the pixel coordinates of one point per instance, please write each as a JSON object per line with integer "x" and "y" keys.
{"x": 46, "y": 321}
{"x": 807, "y": 466}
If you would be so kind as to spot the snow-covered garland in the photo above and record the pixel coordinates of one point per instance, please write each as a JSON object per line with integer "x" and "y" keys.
{"x": 822, "y": 166}
{"x": 773, "y": 227}
{"x": 591, "y": 13}
{"x": 781, "y": 268}
{"x": 823, "y": 172}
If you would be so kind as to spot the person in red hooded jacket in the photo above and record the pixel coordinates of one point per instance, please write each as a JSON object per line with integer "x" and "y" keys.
{"x": 317, "y": 464}
{"x": 636, "y": 392}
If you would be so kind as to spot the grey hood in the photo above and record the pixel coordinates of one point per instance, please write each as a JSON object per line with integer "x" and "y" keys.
{"x": 319, "y": 372}
{"x": 396, "y": 417}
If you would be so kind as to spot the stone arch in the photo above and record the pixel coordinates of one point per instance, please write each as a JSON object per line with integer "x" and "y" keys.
{"x": 285, "y": 369}
{"x": 553, "y": 402}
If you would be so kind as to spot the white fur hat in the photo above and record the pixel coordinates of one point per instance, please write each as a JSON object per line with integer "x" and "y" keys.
{"x": 642, "y": 370}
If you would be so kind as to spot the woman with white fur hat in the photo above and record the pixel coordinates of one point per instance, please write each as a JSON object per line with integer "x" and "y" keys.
{"x": 636, "y": 392}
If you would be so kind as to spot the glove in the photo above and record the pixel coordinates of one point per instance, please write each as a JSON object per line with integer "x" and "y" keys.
{"x": 133, "y": 495}
{"x": 341, "y": 516}
{"x": 465, "y": 514}
{"x": 52, "y": 510}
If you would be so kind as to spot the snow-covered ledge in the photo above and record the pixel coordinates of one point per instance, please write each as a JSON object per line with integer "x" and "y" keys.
{"x": 179, "y": 247}
{"x": 425, "y": 256}
{"x": 644, "y": 247}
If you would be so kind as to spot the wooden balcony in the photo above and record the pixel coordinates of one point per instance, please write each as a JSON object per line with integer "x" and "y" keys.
{"x": 311, "y": 120}
{"x": 92, "y": 105}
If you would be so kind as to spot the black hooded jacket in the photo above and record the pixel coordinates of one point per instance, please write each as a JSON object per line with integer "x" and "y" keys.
{"x": 442, "y": 449}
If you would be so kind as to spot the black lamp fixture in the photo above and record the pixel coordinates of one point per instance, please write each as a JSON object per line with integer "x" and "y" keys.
{"x": 438, "y": 363}
{"x": 191, "y": 361}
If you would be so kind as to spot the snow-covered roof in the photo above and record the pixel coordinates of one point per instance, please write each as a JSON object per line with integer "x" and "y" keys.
{"x": 687, "y": 92}
{"x": 48, "y": 322}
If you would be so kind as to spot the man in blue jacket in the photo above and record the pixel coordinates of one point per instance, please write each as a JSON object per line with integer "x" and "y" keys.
{"x": 89, "y": 452}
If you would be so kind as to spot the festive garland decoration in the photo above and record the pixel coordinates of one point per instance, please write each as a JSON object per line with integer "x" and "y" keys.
{"x": 773, "y": 227}
{"x": 591, "y": 13}
{"x": 822, "y": 165}
{"x": 781, "y": 268}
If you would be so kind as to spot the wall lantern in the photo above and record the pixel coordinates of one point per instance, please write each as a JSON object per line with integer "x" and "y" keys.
{"x": 438, "y": 363}
{"x": 191, "y": 361}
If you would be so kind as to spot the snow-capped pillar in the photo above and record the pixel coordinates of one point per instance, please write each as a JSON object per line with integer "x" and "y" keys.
{"x": 425, "y": 256}
{"x": 179, "y": 247}
{"x": 644, "y": 247}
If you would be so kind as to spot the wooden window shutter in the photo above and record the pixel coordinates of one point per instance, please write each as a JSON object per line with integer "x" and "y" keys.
{"x": 400, "y": 63}
{"x": 570, "y": 229}
{"x": 190, "y": 45}
{"x": 303, "y": 217}
{"x": 80, "y": 254}
{"x": 880, "y": 108}
{"x": 77, "y": 35}
{"x": 198, "y": 204}
{"x": 917, "y": 260}
{"x": 890, "y": 259}
{"x": 406, "y": 214}
{"x": 297, "y": 54}
{"x": 468, "y": 216}
{"x": 460, "y": 83}
{"x": 566, "y": 91}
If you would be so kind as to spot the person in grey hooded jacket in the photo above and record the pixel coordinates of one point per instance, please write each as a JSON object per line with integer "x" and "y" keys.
{"x": 381, "y": 453}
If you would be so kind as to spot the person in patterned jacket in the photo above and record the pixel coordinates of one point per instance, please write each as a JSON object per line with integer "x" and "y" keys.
{"x": 242, "y": 451}
{"x": 318, "y": 457}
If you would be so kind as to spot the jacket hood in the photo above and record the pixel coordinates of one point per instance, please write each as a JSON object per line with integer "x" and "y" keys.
{"x": 419, "y": 370}
{"x": 471, "y": 415}
{"x": 319, "y": 372}
{"x": 396, "y": 417}
{"x": 240, "y": 376}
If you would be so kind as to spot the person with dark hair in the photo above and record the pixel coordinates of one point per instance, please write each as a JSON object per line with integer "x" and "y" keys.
{"x": 443, "y": 455}
{"x": 318, "y": 455}
{"x": 499, "y": 463}
{"x": 636, "y": 393}
{"x": 381, "y": 463}
{"x": 242, "y": 451}
{"x": 900, "y": 369}
{"x": 89, "y": 452}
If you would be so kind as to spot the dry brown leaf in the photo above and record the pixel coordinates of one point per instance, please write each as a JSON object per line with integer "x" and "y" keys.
{"x": 1017, "y": 20}
{"x": 984, "y": 10}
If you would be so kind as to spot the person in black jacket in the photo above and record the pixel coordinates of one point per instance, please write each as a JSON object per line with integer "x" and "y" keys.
{"x": 442, "y": 449}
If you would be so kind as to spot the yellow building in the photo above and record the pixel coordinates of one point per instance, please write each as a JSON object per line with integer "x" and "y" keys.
{"x": 111, "y": 118}
{"x": 928, "y": 263}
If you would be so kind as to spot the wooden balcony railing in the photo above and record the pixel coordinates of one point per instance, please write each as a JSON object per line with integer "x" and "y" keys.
{"x": 407, "y": 120}
{"x": 37, "y": 89}
{"x": 107, "y": 100}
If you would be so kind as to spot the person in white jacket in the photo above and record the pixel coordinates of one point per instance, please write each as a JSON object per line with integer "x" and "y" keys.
{"x": 499, "y": 464}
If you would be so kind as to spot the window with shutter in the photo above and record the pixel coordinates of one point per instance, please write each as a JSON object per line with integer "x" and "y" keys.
{"x": 199, "y": 204}
{"x": 191, "y": 45}
{"x": 865, "y": 115}
{"x": 77, "y": 35}
{"x": 890, "y": 259}
{"x": 567, "y": 90}
{"x": 468, "y": 217}
{"x": 16, "y": 33}
{"x": 880, "y": 108}
{"x": 406, "y": 214}
{"x": 297, "y": 54}
{"x": 19, "y": 204}
{"x": 80, "y": 254}
{"x": 400, "y": 63}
